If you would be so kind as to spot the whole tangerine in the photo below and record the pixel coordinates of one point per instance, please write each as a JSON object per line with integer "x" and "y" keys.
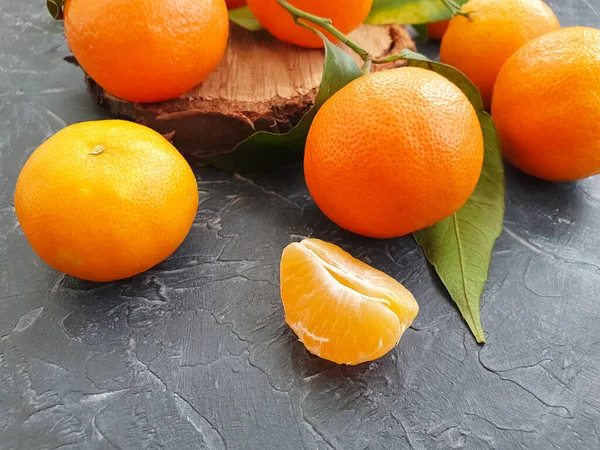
{"x": 346, "y": 15}
{"x": 478, "y": 45}
{"x": 393, "y": 152}
{"x": 147, "y": 51}
{"x": 106, "y": 200}
{"x": 546, "y": 105}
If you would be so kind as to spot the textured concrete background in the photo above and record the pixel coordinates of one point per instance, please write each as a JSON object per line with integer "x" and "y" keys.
{"x": 195, "y": 353}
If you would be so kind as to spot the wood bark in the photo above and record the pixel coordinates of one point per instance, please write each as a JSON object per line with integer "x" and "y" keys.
{"x": 261, "y": 84}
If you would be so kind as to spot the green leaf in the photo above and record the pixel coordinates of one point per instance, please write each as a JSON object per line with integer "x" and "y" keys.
{"x": 412, "y": 12}
{"x": 423, "y": 34}
{"x": 55, "y": 7}
{"x": 244, "y": 18}
{"x": 264, "y": 151}
{"x": 460, "y": 246}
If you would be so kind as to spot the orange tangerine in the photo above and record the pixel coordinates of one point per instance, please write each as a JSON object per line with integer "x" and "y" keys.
{"x": 147, "y": 51}
{"x": 478, "y": 45}
{"x": 436, "y": 30}
{"x": 345, "y": 15}
{"x": 106, "y": 200}
{"x": 342, "y": 309}
{"x": 393, "y": 152}
{"x": 546, "y": 105}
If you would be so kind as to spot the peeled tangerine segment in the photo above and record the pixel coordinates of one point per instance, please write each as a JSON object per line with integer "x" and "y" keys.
{"x": 342, "y": 309}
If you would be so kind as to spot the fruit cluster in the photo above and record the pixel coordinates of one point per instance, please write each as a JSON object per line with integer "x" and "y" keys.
{"x": 390, "y": 153}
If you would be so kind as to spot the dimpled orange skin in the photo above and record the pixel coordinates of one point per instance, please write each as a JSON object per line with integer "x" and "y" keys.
{"x": 345, "y": 14}
{"x": 147, "y": 51}
{"x": 479, "y": 46}
{"x": 393, "y": 152}
{"x": 546, "y": 105}
{"x": 436, "y": 30}
{"x": 340, "y": 308}
{"x": 111, "y": 215}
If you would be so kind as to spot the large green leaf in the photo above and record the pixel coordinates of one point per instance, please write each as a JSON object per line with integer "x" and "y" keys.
{"x": 244, "y": 18}
{"x": 264, "y": 151}
{"x": 460, "y": 246}
{"x": 412, "y": 12}
{"x": 55, "y": 7}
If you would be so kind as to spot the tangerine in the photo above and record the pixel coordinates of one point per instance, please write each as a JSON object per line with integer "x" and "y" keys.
{"x": 342, "y": 309}
{"x": 147, "y": 51}
{"x": 393, "y": 152}
{"x": 346, "y": 15}
{"x": 546, "y": 105}
{"x": 106, "y": 200}
{"x": 479, "y": 45}
{"x": 436, "y": 30}
{"x": 233, "y": 4}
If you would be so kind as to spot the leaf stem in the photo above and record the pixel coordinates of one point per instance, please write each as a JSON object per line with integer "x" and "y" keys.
{"x": 389, "y": 59}
{"x": 97, "y": 150}
{"x": 327, "y": 25}
{"x": 368, "y": 64}
{"x": 308, "y": 20}
{"x": 455, "y": 8}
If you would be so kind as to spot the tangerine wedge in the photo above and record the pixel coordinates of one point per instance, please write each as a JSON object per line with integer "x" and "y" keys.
{"x": 342, "y": 309}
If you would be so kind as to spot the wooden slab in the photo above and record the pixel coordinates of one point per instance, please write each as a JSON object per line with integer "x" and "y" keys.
{"x": 261, "y": 84}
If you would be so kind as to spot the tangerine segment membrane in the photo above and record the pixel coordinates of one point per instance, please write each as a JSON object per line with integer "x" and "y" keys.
{"x": 342, "y": 309}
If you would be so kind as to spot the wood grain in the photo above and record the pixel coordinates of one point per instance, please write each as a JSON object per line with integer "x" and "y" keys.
{"x": 261, "y": 84}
